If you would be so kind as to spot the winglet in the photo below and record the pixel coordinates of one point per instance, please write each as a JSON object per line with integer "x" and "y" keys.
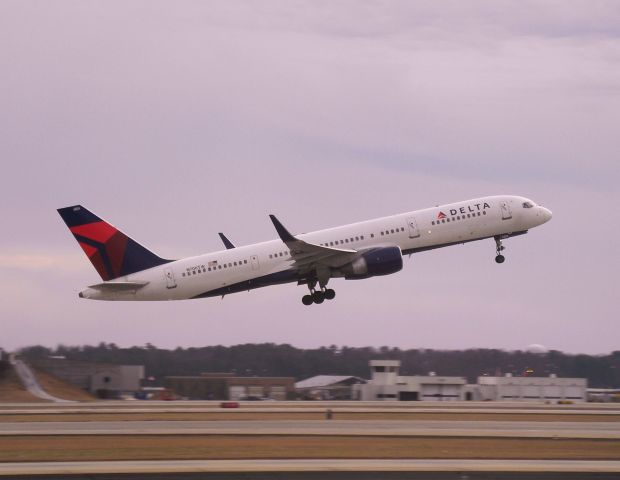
{"x": 227, "y": 243}
{"x": 285, "y": 235}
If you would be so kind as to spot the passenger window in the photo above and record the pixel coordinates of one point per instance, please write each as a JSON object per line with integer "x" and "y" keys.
{"x": 362, "y": 237}
{"x": 372, "y": 235}
{"x": 392, "y": 231}
{"x": 381, "y": 233}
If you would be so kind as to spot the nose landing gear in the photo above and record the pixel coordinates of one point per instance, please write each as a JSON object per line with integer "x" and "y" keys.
{"x": 499, "y": 258}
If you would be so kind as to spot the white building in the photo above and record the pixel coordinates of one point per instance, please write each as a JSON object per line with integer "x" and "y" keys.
{"x": 531, "y": 389}
{"x": 386, "y": 384}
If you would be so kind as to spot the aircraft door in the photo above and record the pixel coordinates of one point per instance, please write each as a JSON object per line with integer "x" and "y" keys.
{"x": 254, "y": 262}
{"x": 170, "y": 281}
{"x": 506, "y": 212}
{"x": 414, "y": 231}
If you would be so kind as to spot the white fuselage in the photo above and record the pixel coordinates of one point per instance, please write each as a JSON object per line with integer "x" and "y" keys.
{"x": 268, "y": 263}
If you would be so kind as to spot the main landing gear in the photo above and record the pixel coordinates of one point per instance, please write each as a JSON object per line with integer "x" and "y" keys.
{"x": 318, "y": 296}
{"x": 499, "y": 258}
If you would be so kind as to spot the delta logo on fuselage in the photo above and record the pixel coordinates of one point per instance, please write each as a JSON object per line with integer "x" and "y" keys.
{"x": 476, "y": 207}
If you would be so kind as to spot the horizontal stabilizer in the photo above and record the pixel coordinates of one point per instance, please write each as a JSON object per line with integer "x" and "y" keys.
{"x": 118, "y": 286}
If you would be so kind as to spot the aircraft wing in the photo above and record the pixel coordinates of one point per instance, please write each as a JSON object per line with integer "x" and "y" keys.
{"x": 118, "y": 286}
{"x": 307, "y": 256}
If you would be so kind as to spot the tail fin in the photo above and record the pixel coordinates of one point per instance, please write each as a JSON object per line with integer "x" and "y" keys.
{"x": 112, "y": 253}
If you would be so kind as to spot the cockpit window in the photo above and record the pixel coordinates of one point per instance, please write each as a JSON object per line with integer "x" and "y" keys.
{"x": 528, "y": 204}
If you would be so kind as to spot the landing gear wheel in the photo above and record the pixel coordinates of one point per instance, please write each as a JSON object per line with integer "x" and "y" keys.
{"x": 307, "y": 300}
{"x": 500, "y": 259}
{"x": 330, "y": 294}
{"x": 318, "y": 297}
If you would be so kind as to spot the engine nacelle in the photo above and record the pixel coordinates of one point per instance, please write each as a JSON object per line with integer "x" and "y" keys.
{"x": 377, "y": 261}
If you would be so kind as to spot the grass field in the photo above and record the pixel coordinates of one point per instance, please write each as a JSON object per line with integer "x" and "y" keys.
{"x": 136, "y": 447}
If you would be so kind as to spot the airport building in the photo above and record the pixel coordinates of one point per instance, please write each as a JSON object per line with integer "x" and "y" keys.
{"x": 327, "y": 387}
{"x": 530, "y": 389}
{"x": 225, "y": 386}
{"x": 387, "y": 384}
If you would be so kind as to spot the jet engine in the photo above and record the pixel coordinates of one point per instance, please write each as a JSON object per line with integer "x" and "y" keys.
{"x": 373, "y": 262}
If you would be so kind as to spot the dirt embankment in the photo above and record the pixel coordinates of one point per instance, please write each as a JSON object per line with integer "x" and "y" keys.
{"x": 61, "y": 389}
{"x": 12, "y": 390}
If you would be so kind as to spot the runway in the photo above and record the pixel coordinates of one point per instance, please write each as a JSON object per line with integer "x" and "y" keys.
{"x": 294, "y": 441}
{"x": 584, "y": 430}
{"x": 327, "y": 468}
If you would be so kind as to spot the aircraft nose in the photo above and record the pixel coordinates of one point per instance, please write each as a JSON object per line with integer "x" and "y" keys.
{"x": 546, "y": 214}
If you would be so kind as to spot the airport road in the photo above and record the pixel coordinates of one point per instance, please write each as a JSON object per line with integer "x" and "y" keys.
{"x": 584, "y": 430}
{"x": 336, "y": 469}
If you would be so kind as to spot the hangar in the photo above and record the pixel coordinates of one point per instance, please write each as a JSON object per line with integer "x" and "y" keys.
{"x": 327, "y": 387}
{"x": 225, "y": 386}
{"x": 533, "y": 389}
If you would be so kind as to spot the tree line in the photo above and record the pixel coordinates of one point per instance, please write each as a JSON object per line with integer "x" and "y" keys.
{"x": 273, "y": 360}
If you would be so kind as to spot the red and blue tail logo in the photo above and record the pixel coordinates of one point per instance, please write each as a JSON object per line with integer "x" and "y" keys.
{"x": 112, "y": 253}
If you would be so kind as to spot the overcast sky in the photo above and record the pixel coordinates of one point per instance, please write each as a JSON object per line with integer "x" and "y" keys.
{"x": 175, "y": 120}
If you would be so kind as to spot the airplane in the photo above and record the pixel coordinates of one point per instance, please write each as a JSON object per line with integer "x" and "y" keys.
{"x": 356, "y": 251}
